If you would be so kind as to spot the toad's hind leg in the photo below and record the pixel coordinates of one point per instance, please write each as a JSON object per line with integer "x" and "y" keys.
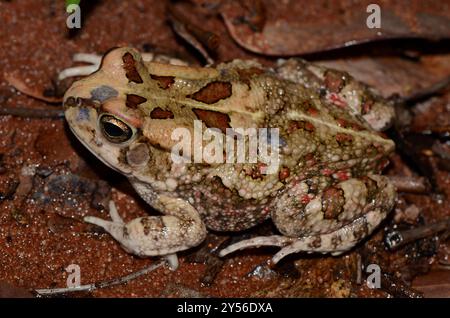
{"x": 93, "y": 59}
{"x": 179, "y": 229}
{"x": 335, "y": 242}
{"x": 366, "y": 203}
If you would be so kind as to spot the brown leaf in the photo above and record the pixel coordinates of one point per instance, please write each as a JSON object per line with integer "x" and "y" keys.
{"x": 299, "y": 27}
{"x": 434, "y": 284}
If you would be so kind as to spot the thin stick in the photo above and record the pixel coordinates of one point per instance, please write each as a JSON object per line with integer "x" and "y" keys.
{"x": 410, "y": 184}
{"x": 27, "y": 112}
{"x": 396, "y": 239}
{"x": 94, "y": 286}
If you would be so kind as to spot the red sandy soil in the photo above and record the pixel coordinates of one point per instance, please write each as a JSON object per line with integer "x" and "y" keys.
{"x": 41, "y": 232}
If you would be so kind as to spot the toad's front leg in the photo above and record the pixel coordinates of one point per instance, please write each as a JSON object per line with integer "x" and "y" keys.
{"x": 179, "y": 229}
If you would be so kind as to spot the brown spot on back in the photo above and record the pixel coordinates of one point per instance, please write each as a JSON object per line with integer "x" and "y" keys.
{"x": 134, "y": 100}
{"x": 312, "y": 111}
{"x": 334, "y": 81}
{"x": 249, "y": 72}
{"x": 333, "y": 201}
{"x": 309, "y": 127}
{"x": 347, "y": 124}
{"x": 366, "y": 105}
{"x": 129, "y": 65}
{"x": 284, "y": 173}
{"x": 213, "y": 119}
{"x": 164, "y": 82}
{"x": 212, "y": 93}
{"x": 159, "y": 113}
{"x": 301, "y": 124}
{"x": 344, "y": 139}
{"x": 246, "y": 74}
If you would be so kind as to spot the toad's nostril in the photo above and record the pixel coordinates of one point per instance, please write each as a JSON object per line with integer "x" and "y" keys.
{"x": 70, "y": 102}
{"x": 87, "y": 102}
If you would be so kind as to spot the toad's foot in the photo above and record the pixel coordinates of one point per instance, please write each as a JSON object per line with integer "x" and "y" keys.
{"x": 181, "y": 228}
{"x": 336, "y": 242}
{"x": 95, "y": 60}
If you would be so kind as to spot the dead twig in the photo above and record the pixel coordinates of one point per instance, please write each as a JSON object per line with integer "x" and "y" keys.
{"x": 410, "y": 184}
{"x": 397, "y": 288}
{"x": 434, "y": 129}
{"x": 207, "y": 254}
{"x": 396, "y": 239}
{"x": 27, "y": 112}
{"x": 94, "y": 286}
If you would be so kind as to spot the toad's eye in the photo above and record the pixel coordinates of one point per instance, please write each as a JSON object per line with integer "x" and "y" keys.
{"x": 114, "y": 129}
